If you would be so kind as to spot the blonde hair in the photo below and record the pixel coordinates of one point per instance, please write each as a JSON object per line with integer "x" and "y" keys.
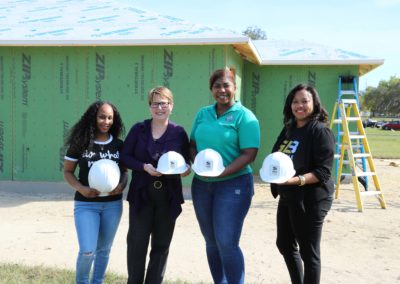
{"x": 161, "y": 91}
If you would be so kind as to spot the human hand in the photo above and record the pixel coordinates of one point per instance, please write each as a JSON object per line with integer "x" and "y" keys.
{"x": 89, "y": 192}
{"x": 117, "y": 190}
{"x": 151, "y": 170}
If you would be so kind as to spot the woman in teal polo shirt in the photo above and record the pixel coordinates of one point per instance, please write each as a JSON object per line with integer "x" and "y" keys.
{"x": 221, "y": 203}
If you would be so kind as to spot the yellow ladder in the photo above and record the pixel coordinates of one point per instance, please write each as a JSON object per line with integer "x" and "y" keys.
{"x": 348, "y": 107}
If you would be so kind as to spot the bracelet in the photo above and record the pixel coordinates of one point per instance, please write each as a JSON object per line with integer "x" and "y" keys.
{"x": 302, "y": 180}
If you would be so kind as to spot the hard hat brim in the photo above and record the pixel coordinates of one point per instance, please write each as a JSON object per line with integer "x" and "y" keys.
{"x": 265, "y": 177}
{"x": 175, "y": 171}
{"x": 214, "y": 173}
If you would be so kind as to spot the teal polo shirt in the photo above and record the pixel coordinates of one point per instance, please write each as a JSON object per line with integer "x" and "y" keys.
{"x": 236, "y": 129}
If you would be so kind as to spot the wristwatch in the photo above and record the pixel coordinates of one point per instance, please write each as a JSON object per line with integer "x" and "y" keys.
{"x": 302, "y": 180}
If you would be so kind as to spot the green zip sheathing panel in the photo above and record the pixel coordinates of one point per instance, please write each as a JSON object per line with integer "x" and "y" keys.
{"x": 6, "y": 121}
{"x": 266, "y": 87}
{"x": 44, "y": 91}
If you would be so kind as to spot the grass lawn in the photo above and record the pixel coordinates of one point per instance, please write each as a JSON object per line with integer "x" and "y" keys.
{"x": 21, "y": 274}
{"x": 383, "y": 143}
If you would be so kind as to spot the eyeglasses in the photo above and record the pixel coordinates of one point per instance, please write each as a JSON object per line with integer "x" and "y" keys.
{"x": 159, "y": 104}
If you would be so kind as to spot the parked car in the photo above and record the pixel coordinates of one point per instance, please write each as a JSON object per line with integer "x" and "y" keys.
{"x": 395, "y": 125}
{"x": 380, "y": 123}
{"x": 369, "y": 122}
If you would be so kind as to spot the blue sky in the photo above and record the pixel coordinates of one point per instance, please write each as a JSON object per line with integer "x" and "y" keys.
{"x": 369, "y": 27}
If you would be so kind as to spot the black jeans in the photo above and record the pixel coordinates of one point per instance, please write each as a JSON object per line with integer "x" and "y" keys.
{"x": 299, "y": 226}
{"x": 153, "y": 220}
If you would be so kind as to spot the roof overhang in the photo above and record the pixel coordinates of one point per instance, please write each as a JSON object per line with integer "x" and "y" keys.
{"x": 243, "y": 45}
{"x": 364, "y": 65}
{"x": 286, "y": 52}
{"x": 248, "y": 51}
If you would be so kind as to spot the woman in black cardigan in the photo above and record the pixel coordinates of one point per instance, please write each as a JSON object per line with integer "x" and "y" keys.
{"x": 306, "y": 198}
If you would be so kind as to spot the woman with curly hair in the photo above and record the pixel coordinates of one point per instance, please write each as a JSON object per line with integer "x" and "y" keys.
{"x": 306, "y": 198}
{"x": 95, "y": 136}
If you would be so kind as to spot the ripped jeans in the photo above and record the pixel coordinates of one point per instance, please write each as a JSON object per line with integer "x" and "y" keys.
{"x": 96, "y": 224}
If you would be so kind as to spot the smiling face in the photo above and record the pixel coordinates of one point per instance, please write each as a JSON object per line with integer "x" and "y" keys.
{"x": 302, "y": 107}
{"x": 104, "y": 119}
{"x": 160, "y": 107}
{"x": 223, "y": 91}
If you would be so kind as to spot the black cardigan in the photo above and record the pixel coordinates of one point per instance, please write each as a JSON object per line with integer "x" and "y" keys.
{"x": 319, "y": 155}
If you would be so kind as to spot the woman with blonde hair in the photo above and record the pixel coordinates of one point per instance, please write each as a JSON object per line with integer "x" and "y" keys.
{"x": 154, "y": 199}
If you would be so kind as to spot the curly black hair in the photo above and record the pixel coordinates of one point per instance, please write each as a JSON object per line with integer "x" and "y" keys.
{"x": 81, "y": 136}
{"x": 319, "y": 112}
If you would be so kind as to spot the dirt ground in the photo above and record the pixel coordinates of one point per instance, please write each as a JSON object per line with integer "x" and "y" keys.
{"x": 38, "y": 228}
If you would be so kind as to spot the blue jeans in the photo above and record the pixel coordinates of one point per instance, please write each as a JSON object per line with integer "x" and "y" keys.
{"x": 220, "y": 210}
{"x": 96, "y": 224}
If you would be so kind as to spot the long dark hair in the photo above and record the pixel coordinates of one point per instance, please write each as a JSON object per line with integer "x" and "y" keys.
{"x": 319, "y": 112}
{"x": 81, "y": 136}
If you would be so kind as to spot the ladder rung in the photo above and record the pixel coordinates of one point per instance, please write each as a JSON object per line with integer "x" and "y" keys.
{"x": 337, "y": 157}
{"x": 371, "y": 192}
{"x": 347, "y": 92}
{"x": 365, "y": 174}
{"x": 360, "y": 174}
{"x": 361, "y": 155}
{"x": 353, "y": 146}
{"x": 349, "y": 101}
{"x": 341, "y": 133}
{"x": 357, "y": 136}
{"x": 339, "y": 120}
{"x": 354, "y": 118}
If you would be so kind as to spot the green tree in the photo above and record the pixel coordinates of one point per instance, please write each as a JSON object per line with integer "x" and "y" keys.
{"x": 255, "y": 32}
{"x": 384, "y": 99}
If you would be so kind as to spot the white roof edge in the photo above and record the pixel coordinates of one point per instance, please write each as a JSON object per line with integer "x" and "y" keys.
{"x": 254, "y": 50}
{"x": 133, "y": 42}
{"x": 323, "y": 62}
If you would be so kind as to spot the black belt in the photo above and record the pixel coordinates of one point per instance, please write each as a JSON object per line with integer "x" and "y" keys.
{"x": 158, "y": 184}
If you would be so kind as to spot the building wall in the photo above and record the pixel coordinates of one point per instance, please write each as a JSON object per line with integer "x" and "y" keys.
{"x": 266, "y": 87}
{"x": 44, "y": 91}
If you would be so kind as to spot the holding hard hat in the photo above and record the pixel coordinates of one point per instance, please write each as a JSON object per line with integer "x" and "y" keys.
{"x": 224, "y": 141}
{"x": 157, "y": 151}
{"x": 104, "y": 176}
{"x": 305, "y": 186}
{"x": 98, "y": 186}
{"x": 277, "y": 168}
{"x": 208, "y": 163}
{"x": 172, "y": 163}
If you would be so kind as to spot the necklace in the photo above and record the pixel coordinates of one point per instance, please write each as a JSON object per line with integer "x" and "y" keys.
{"x": 101, "y": 141}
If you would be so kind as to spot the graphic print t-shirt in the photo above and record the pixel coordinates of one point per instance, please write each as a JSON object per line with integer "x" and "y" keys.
{"x": 109, "y": 149}
{"x": 295, "y": 148}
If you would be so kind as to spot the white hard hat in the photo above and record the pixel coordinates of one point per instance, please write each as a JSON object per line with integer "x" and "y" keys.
{"x": 277, "y": 168}
{"x": 104, "y": 175}
{"x": 171, "y": 163}
{"x": 208, "y": 163}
